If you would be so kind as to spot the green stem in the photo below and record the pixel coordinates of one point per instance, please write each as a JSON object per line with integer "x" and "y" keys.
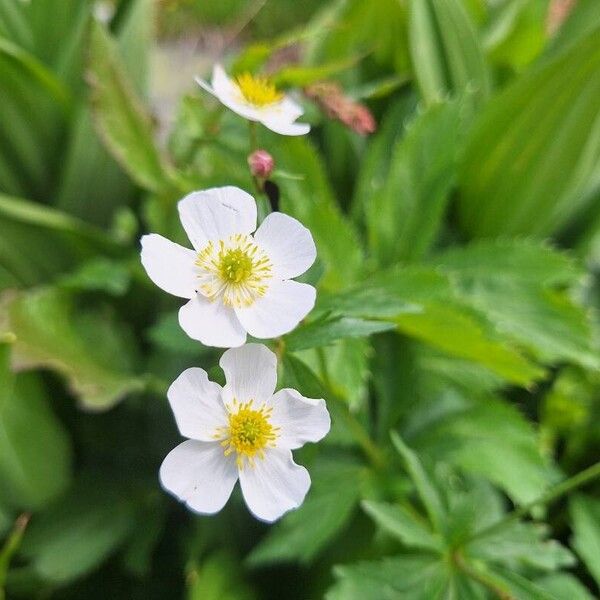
{"x": 10, "y": 547}
{"x": 481, "y": 578}
{"x": 561, "y": 489}
{"x": 360, "y": 435}
{"x": 253, "y": 136}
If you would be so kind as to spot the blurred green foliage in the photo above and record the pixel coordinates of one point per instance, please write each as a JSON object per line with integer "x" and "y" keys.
{"x": 455, "y": 337}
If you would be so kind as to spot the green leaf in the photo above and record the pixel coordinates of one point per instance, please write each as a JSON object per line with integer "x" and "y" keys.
{"x": 35, "y": 452}
{"x": 517, "y": 586}
{"x": 78, "y": 533}
{"x": 372, "y": 177}
{"x": 510, "y": 292}
{"x": 120, "y": 117}
{"x": 585, "y": 517}
{"x": 101, "y": 275}
{"x": 461, "y": 331}
{"x": 422, "y": 304}
{"x": 305, "y": 533}
{"x": 89, "y": 348}
{"x": 425, "y": 487}
{"x": 403, "y": 524}
{"x": 525, "y": 261}
{"x": 410, "y": 577}
{"x": 536, "y": 172}
{"x": 404, "y": 219}
{"x": 306, "y": 75}
{"x": 445, "y": 51}
{"x": 562, "y": 585}
{"x": 32, "y": 119}
{"x": 326, "y": 330}
{"x": 88, "y": 165}
{"x": 312, "y": 202}
{"x": 522, "y": 545}
{"x": 218, "y": 577}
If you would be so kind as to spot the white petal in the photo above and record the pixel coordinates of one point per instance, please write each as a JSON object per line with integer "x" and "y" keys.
{"x": 216, "y": 214}
{"x": 274, "y": 485}
{"x": 169, "y": 265}
{"x": 285, "y": 127}
{"x": 282, "y": 307}
{"x": 230, "y": 95}
{"x": 288, "y": 244}
{"x": 250, "y": 373}
{"x": 300, "y": 419}
{"x": 197, "y": 405}
{"x": 199, "y": 474}
{"x": 211, "y": 323}
{"x": 291, "y": 109}
{"x": 204, "y": 85}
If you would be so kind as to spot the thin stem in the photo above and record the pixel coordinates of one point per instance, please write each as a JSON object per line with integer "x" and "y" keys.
{"x": 360, "y": 435}
{"x": 10, "y": 547}
{"x": 481, "y": 578}
{"x": 559, "y": 490}
{"x": 253, "y": 136}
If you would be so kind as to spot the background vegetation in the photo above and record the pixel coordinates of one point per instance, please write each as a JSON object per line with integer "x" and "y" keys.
{"x": 455, "y": 336}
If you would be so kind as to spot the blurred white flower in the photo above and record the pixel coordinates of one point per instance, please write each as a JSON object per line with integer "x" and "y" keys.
{"x": 255, "y": 98}
{"x": 241, "y": 431}
{"x": 236, "y": 282}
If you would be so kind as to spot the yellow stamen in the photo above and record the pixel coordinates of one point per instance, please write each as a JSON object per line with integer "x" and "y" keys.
{"x": 235, "y": 270}
{"x": 248, "y": 433}
{"x": 258, "y": 90}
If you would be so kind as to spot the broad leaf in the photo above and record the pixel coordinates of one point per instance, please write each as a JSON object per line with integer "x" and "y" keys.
{"x": 542, "y": 149}
{"x": 120, "y": 117}
{"x": 35, "y": 451}
{"x": 585, "y": 515}
{"x": 91, "y": 350}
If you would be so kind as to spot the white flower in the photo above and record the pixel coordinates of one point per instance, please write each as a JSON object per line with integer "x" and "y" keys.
{"x": 255, "y": 98}
{"x": 241, "y": 431}
{"x": 236, "y": 282}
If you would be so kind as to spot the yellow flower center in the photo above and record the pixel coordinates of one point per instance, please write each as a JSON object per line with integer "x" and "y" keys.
{"x": 258, "y": 90}
{"x": 236, "y": 270}
{"x": 248, "y": 433}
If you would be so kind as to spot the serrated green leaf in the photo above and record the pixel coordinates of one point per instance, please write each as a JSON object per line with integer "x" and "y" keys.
{"x": 35, "y": 451}
{"x": 330, "y": 329}
{"x": 303, "y": 534}
{"x": 403, "y": 524}
{"x": 523, "y": 545}
{"x": 488, "y": 437}
{"x": 536, "y": 172}
{"x": 410, "y": 577}
{"x": 513, "y": 292}
{"x": 526, "y": 261}
{"x": 422, "y": 304}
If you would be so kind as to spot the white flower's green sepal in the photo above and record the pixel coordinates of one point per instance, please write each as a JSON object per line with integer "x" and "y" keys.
{"x": 242, "y": 431}
{"x": 236, "y": 281}
{"x": 255, "y": 98}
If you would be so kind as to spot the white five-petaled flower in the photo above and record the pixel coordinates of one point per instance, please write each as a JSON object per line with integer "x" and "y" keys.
{"x": 241, "y": 431}
{"x": 256, "y": 98}
{"x": 236, "y": 282}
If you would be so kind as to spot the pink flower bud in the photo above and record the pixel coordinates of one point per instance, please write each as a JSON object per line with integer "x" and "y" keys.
{"x": 261, "y": 164}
